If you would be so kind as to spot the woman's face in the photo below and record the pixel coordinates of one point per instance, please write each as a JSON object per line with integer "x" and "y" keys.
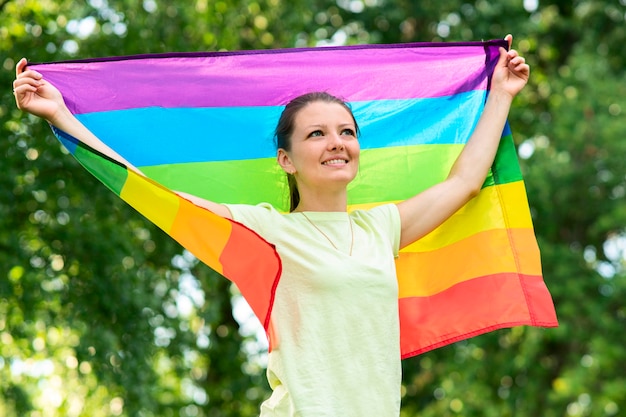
{"x": 324, "y": 147}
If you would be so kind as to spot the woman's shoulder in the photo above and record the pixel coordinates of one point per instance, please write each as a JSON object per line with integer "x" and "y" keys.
{"x": 382, "y": 220}
{"x": 240, "y": 211}
{"x": 387, "y": 213}
{"x": 260, "y": 217}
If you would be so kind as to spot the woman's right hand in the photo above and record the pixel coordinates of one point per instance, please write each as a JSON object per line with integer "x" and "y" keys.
{"x": 35, "y": 95}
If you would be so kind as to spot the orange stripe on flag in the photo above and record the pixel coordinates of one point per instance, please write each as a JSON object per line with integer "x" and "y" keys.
{"x": 202, "y": 232}
{"x": 440, "y": 269}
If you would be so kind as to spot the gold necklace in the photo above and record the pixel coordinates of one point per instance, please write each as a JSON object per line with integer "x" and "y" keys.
{"x": 326, "y": 236}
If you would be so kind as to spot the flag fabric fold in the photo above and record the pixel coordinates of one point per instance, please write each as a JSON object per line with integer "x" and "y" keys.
{"x": 202, "y": 124}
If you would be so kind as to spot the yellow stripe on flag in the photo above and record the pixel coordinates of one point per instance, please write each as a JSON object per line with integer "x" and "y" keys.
{"x": 482, "y": 213}
{"x": 158, "y": 204}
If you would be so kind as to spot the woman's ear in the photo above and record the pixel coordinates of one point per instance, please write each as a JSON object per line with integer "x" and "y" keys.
{"x": 285, "y": 162}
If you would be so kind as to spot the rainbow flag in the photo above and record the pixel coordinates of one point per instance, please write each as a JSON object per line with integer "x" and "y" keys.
{"x": 202, "y": 123}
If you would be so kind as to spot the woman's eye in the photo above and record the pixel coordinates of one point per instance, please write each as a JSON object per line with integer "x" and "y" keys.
{"x": 316, "y": 133}
{"x": 348, "y": 132}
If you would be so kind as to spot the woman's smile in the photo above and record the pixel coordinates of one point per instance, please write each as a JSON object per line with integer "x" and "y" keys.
{"x": 335, "y": 162}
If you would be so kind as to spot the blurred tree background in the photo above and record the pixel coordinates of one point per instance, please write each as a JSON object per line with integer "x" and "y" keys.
{"x": 101, "y": 314}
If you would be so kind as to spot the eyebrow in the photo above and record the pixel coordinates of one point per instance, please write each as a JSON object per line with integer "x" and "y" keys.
{"x": 350, "y": 124}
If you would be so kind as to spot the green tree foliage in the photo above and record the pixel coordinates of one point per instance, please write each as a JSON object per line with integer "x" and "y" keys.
{"x": 102, "y": 314}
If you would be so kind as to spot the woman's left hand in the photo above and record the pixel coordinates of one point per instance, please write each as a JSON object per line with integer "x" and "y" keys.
{"x": 511, "y": 72}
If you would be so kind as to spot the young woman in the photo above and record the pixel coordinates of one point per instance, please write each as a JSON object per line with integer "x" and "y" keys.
{"x": 335, "y": 314}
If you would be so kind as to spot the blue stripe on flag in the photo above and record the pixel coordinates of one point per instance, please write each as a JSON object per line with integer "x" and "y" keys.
{"x": 223, "y": 135}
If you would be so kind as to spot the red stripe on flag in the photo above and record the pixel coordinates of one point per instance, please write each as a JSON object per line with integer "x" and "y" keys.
{"x": 470, "y": 308}
{"x": 253, "y": 264}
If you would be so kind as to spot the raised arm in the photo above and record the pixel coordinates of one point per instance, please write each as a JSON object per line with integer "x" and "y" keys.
{"x": 35, "y": 95}
{"x": 421, "y": 214}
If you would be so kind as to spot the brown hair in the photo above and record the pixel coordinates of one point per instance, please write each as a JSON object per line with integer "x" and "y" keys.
{"x": 285, "y": 127}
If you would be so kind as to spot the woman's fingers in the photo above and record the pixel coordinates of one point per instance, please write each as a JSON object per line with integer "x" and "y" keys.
{"x": 26, "y": 80}
{"x": 24, "y": 77}
{"x": 19, "y": 68}
{"x": 517, "y": 60}
{"x": 24, "y": 84}
{"x": 30, "y": 74}
{"x": 517, "y": 63}
{"x": 23, "y": 88}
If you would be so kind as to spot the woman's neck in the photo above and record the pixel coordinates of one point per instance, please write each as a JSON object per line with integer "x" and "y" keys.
{"x": 322, "y": 201}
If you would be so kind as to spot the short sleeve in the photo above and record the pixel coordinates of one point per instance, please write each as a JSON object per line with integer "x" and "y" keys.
{"x": 261, "y": 217}
{"x": 383, "y": 220}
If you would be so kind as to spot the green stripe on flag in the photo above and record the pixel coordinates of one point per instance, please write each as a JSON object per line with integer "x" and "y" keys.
{"x": 112, "y": 174}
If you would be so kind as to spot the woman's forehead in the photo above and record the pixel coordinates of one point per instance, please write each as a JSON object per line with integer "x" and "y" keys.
{"x": 323, "y": 113}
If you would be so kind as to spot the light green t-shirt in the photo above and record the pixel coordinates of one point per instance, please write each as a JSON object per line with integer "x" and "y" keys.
{"x": 335, "y": 316}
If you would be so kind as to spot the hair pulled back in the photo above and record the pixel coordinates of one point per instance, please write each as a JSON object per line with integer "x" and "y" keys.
{"x": 286, "y": 125}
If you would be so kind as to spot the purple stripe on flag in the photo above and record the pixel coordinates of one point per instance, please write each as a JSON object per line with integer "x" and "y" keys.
{"x": 270, "y": 78}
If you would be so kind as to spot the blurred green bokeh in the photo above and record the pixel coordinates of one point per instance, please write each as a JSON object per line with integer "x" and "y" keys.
{"x": 101, "y": 314}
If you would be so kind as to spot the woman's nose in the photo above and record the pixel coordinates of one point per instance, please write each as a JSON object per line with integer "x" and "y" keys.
{"x": 334, "y": 142}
